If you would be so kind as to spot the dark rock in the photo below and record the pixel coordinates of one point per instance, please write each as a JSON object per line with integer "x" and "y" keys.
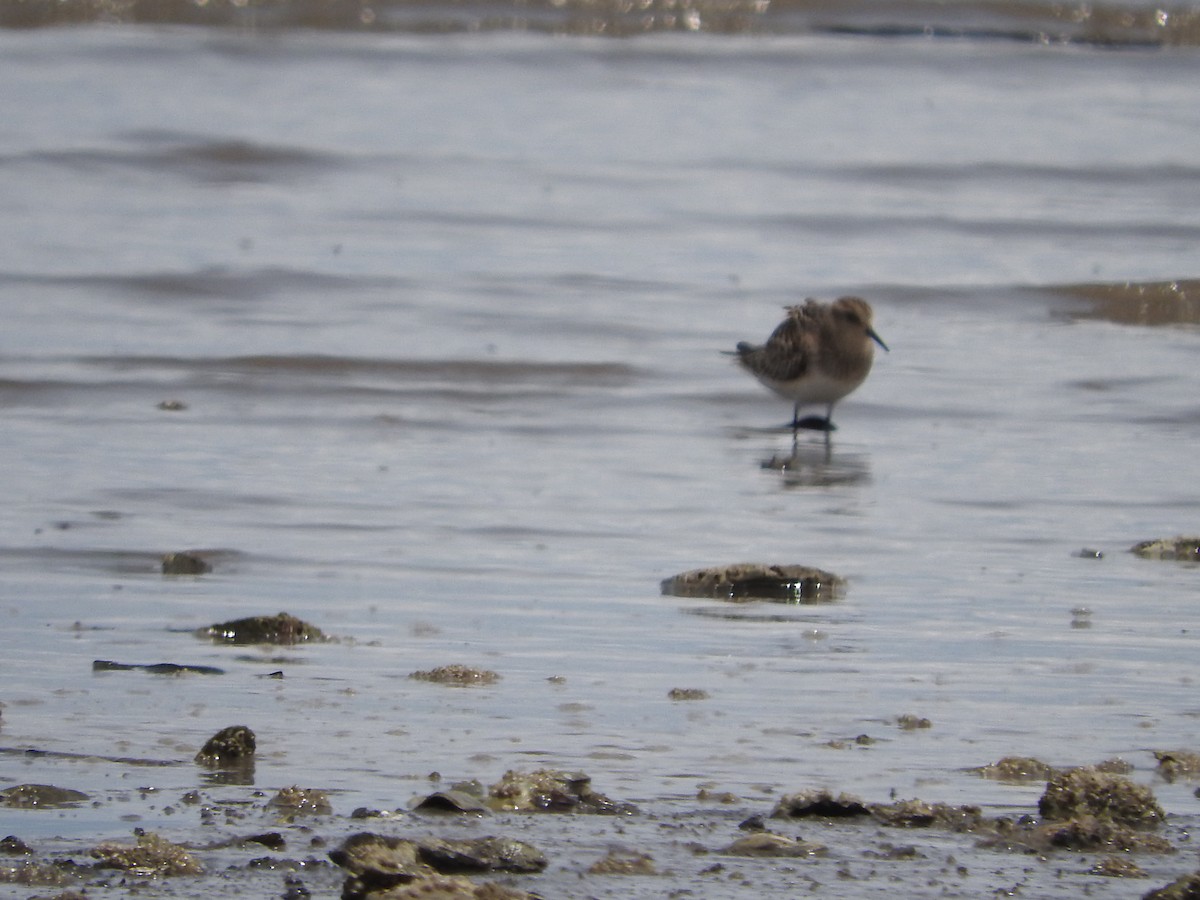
{"x": 451, "y": 801}
{"x": 229, "y": 746}
{"x": 283, "y": 629}
{"x": 107, "y": 665}
{"x": 819, "y": 804}
{"x": 753, "y": 581}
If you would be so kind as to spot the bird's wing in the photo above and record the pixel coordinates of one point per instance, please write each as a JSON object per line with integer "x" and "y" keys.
{"x": 787, "y": 353}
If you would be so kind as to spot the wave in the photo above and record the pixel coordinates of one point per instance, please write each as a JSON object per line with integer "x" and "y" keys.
{"x": 1118, "y": 24}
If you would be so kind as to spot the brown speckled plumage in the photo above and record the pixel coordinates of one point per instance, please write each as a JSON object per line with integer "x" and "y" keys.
{"x": 818, "y": 354}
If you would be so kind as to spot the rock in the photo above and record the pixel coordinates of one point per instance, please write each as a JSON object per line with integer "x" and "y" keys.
{"x": 284, "y": 629}
{"x": 1117, "y": 867}
{"x": 187, "y": 563}
{"x": 920, "y": 814}
{"x": 765, "y": 843}
{"x": 1186, "y": 887}
{"x": 619, "y": 862}
{"x": 819, "y": 804}
{"x": 457, "y": 675}
{"x": 752, "y": 581}
{"x": 1176, "y": 764}
{"x": 14, "y": 846}
{"x": 1094, "y": 834}
{"x": 487, "y": 854}
{"x": 388, "y": 868}
{"x": 40, "y": 796}
{"x": 1089, "y": 792}
{"x": 376, "y": 863}
{"x": 1181, "y": 549}
{"x": 107, "y": 665}
{"x": 297, "y": 801}
{"x": 1017, "y": 768}
{"x": 152, "y": 855}
{"x": 451, "y": 801}
{"x": 229, "y": 746}
{"x": 549, "y": 790}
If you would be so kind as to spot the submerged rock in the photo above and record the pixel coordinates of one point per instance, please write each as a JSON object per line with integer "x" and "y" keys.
{"x": 457, "y": 674}
{"x": 282, "y": 629}
{"x": 185, "y": 563}
{"x": 752, "y": 581}
{"x": 229, "y": 746}
{"x": 1016, "y": 768}
{"x": 1183, "y": 549}
{"x": 550, "y": 790}
{"x": 151, "y": 855}
{"x": 687, "y": 694}
{"x": 1089, "y": 792}
{"x": 1175, "y": 764}
{"x": 40, "y": 796}
{"x": 108, "y": 665}
{"x": 622, "y": 862}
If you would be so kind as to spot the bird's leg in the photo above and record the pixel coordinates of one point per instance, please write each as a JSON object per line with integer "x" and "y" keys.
{"x": 795, "y": 422}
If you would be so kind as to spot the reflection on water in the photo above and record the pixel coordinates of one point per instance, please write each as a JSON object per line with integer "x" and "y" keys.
{"x": 819, "y": 464}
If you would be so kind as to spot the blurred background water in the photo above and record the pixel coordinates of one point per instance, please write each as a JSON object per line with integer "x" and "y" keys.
{"x": 411, "y": 314}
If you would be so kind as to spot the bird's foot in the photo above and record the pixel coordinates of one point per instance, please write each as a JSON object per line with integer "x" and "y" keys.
{"x": 814, "y": 423}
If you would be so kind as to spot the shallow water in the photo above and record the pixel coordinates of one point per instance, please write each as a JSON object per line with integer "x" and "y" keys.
{"x": 444, "y": 314}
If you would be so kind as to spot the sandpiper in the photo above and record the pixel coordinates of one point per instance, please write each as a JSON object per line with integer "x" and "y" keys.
{"x": 818, "y": 354}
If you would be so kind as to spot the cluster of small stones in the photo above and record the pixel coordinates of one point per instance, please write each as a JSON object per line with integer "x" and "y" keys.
{"x": 754, "y": 581}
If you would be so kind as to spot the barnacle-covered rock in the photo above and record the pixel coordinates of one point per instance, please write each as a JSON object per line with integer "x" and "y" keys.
{"x": 755, "y": 581}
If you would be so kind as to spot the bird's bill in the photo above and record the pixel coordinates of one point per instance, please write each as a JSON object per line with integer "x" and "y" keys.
{"x": 877, "y": 339}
